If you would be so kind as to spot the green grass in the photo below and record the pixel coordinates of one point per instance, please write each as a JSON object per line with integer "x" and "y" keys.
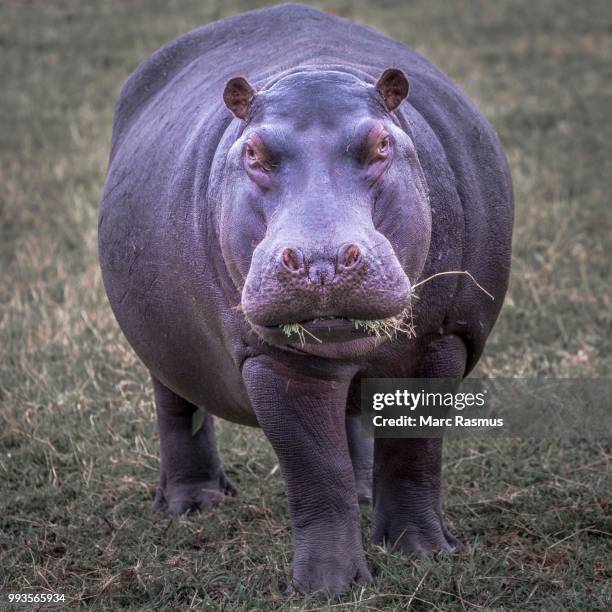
{"x": 391, "y": 327}
{"x": 78, "y": 448}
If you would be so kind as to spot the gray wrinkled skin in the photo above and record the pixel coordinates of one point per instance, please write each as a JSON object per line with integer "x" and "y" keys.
{"x": 227, "y": 213}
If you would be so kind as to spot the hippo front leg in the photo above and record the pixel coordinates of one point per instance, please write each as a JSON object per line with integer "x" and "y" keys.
{"x": 191, "y": 476}
{"x": 407, "y": 512}
{"x": 303, "y": 416}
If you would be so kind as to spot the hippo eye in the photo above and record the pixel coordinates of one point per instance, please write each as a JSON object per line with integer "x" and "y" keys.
{"x": 383, "y": 147}
{"x": 378, "y": 147}
{"x": 257, "y": 158}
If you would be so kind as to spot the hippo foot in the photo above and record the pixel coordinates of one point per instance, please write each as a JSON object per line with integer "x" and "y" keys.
{"x": 331, "y": 565}
{"x": 333, "y": 575}
{"x": 186, "y": 497}
{"x": 419, "y": 535}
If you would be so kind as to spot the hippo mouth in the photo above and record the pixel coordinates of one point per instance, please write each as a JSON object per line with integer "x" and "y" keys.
{"x": 336, "y": 330}
{"x": 311, "y": 331}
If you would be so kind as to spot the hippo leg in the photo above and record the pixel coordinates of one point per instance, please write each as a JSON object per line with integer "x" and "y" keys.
{"x": 361, "y": 447}
{"x": 303, "y": 415}
{"x": 408, "y": 473}
{"x": 191, "y": 476}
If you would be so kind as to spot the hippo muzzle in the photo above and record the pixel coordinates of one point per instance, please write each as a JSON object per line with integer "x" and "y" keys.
{"x": 324, "y": 288}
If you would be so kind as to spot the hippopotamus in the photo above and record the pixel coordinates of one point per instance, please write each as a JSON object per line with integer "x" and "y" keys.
{"x": 274, "y": 178}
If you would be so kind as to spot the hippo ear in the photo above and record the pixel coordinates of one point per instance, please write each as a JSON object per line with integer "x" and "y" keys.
{"x": 393, "y": 86}
{"x": 238, "y": 96}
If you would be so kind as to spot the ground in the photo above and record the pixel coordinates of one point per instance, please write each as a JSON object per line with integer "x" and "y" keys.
{"x": 78, "y": 445}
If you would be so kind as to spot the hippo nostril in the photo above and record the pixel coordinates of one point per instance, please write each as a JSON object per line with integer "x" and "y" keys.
{"x": 292, "y": 259}
{"x": 349, "y": 255}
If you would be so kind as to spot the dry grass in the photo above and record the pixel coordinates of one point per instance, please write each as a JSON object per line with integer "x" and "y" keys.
{"x": 78, "y": 448}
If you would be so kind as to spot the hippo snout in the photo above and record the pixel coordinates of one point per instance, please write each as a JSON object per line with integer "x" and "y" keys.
{"x": 349, "y": 281}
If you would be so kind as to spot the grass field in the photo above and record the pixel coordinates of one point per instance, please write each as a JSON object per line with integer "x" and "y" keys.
{"x": 78, "y": 444}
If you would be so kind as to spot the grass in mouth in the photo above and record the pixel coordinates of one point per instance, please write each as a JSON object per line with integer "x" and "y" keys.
{"x": 402, "y": 323}
{"x": 391, "y": 327}
{"x": 299, "y": 330}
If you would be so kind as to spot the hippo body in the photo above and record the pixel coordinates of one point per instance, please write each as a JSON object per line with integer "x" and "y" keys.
{"x": 271, "y": 168}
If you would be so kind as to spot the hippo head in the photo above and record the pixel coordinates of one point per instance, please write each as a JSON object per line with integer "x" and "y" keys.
{"x": 325, "y": 217}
